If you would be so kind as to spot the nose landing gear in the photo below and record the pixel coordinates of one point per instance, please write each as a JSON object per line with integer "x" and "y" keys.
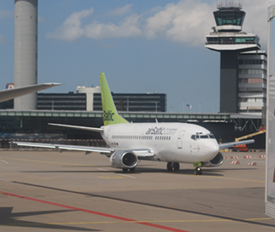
{"x": 176, "y": 167}
{"x": 198, "y": 171}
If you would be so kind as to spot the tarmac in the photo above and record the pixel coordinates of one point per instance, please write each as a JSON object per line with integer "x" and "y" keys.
{"x": 51, "y": 191}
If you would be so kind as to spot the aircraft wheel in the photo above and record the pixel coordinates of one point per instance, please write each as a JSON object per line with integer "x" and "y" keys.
{"x": 169, "y": 166}
{"x": 125, "y": 169}
{"x": 132, "y": 169}
{"x": 198, "y": 171}
{"x": 176, "y": 167}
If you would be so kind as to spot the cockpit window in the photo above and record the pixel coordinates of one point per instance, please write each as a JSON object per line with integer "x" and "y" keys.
{"x": 204, "y": 137}
{"x": 211, "y": 136}
{"x": 200, "y": 135}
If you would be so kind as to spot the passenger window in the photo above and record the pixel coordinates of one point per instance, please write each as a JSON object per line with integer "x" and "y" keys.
{"x": 193, "y": 137}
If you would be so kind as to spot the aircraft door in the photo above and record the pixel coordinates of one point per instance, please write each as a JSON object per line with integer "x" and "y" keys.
{"x": 180, "y": 139}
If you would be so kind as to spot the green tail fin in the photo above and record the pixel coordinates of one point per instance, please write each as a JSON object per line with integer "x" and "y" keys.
{"x": 110, "y": 115}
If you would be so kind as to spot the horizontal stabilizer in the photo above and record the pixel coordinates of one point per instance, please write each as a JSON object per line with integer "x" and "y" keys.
{"x": 77, "y": 127}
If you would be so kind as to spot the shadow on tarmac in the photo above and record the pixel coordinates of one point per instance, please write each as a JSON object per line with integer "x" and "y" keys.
{"x": 143, "y": 169}
{"x": 8, "y": 218}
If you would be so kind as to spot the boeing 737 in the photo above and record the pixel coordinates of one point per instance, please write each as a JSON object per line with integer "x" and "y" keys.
{"x": 127, "y": 142}
{"x": 8, "y": 94}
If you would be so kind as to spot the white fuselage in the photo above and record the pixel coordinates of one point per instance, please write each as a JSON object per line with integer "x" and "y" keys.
{"x": 170, "y": 142}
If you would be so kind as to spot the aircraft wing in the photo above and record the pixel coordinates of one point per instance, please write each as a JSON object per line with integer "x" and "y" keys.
{"x": 140, "y": 153}
{"x": 77, "y": 127}
{"x": 143, "y": 153}
{"x": 87, "y": 149}
{"x": 232, "y": 144}
{"x": 8, "y": 94}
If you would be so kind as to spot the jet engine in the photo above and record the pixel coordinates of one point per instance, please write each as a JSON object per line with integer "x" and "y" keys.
{"x": 124, "y": 159}
{"x": 216, "y": 161}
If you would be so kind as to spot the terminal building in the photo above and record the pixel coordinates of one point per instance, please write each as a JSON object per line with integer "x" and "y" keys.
{"x": 243, "y": 68}
{"x": 89, "y": 99}
{"x": 252, "y": 83}
{"x": 80, "y": 101}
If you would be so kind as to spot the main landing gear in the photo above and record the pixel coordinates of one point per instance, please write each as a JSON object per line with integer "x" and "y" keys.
{"x": 173, "y": 166}
{"x": 129, "y": 169}
{"x": 176, "y": 167}
{"x": 198, "y": 171}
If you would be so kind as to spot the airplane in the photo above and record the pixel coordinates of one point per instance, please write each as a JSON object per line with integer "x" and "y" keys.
{"x": 128, "y": 142}
{"x": 8, "y": 94}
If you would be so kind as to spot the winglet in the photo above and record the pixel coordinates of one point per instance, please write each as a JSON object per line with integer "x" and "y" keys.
{"x": 110, "y": 115}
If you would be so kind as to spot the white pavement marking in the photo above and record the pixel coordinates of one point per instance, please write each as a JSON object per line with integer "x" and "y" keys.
{"x": 101, "y": 169}
{"x": 4, "y": 161}
{"x": 128, "y": 176}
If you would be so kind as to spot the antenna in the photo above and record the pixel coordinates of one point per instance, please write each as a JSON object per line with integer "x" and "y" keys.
{"x": 229, "y": 4}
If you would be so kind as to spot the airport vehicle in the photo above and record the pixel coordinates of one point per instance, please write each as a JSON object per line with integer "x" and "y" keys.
{"x": 8, "y": 94}
{"x": 128, "y": 143}
{"x": 243, "y": 147}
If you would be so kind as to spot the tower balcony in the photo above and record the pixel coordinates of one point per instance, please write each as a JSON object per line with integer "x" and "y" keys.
{"x": 232, "y": 42}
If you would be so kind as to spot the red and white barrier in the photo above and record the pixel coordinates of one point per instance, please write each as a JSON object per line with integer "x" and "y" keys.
{"x": 262, "y": 156}
{"x": 234, "y": 157}
{"x": 252, "y": 163}
{"x": 247, "y": 157}
{"x": 235, "y": 162}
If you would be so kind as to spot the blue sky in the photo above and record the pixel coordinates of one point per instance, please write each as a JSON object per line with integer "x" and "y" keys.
{"x": 153, "y": 46}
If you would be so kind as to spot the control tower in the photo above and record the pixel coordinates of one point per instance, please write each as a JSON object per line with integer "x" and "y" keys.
{"x": 25, "y": 50}
{"x": 229, "y": 39}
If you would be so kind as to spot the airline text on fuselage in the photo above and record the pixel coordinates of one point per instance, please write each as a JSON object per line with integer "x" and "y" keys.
{"x": 161, "y": 131}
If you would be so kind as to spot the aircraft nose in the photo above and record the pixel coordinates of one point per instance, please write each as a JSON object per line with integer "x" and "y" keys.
{"x": 213, "y": 148}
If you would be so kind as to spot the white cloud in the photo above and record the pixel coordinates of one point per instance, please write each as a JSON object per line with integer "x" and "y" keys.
{"x": 122, "y": 11}
{"x": 256, "y": 18}
{"x": 72, "y": 28}
{"x": 186, "y": 22}
{"x": 127, "y": 28}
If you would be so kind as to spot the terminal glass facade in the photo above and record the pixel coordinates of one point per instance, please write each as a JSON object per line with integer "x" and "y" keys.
{"x": 61, "y": 101}
{"x": 155, "y": 102}
{"x": 252, "y": 82}
{"x": 233, "y": 40}
{"x": 137, "y": 102}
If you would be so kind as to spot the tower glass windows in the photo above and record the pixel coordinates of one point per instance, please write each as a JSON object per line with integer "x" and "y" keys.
{"x": 229, "y": 17}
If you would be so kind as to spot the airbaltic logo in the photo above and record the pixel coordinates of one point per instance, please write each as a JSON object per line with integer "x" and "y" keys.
{"x": 108, "y": 116}
{"x": 161, "y": 131}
